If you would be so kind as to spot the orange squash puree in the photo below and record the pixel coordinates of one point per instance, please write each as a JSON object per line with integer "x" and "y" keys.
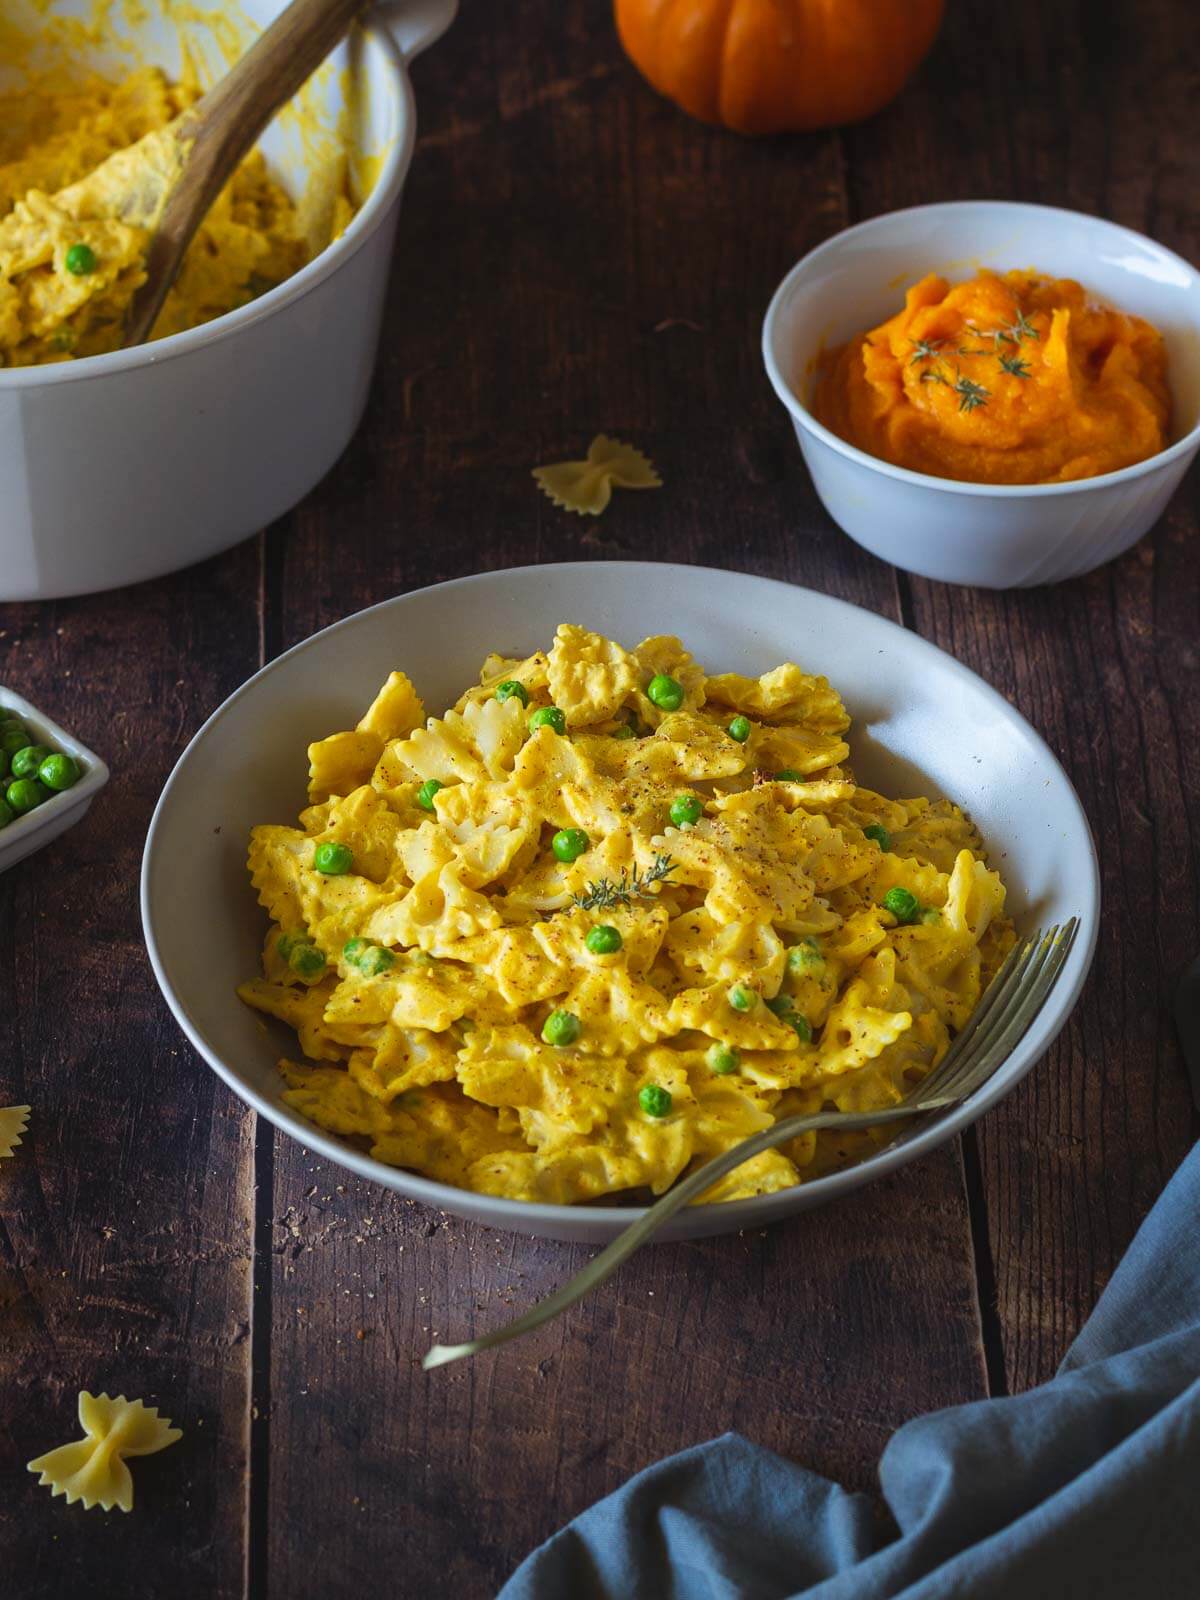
{"x": 1016, "y": 378}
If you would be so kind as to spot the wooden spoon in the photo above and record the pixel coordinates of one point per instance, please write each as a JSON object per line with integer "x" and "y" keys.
{"x": 214, "y": 134}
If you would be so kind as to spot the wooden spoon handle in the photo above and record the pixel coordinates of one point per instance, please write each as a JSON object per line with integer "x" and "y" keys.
{"x": 223, "y": 125}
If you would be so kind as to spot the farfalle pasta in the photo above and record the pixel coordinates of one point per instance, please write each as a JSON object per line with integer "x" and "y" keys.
{"x": 586, "y": 487}
{"x": 605, "y": 917}
{"x": 92, "y": 1469}
{"x": 13, "y": 1122}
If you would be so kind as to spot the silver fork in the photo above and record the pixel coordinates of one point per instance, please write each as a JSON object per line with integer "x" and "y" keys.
{"x": 1003, "y": 1016}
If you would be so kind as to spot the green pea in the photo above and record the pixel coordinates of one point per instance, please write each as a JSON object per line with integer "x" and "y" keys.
{"x": 625, "y": 731}
{"x": 24, "y": 794}
{"x": 739, "y": 729}
{"x": 426, "y": 792}
{"x": 4, "y": 763}
{"x": 880, "y": 835}
{"x": 375, "y": 960}
{"x": 569, "y": 844}
{"x": 306, "y": 960}
{"x": 6, "y": 813}
{"x": 7, "y": 724}
{"x": 686, "y": 810}
{"x": 59, "y": 772}
{"x": 781, "y": 1005}
{"x": 14, "y": 739}
{"x": 80, "y": 260}
{"x": 510, "y": 689}
{"x": 561, "y": 1028}
{"x": 802, "y": 1026}
{"x": 26, "y": 762}
{"x": 805, "y": 957}
{"x": 741, "y": 998}
{"x": 654, "y": 1101}
{"x": 905, "y": 907}
{"x": 723, "y": 1059}
{"x": 287, "y": 942}
{"x": 353, "y": 950}
{"x": 604, "y": 940}
{"x": 666, "y": 693}
{"x": 789, "y": 775}
{"x": 548, "y": 717}
{"x": 929, "y": 915}
{"x": 332, "y": 858}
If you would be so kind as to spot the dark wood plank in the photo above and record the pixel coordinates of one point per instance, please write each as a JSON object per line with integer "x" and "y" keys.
{"x": 125, "y": 1247}
{"x": 604, "y": 265}
{"x": 1080, "y": 106}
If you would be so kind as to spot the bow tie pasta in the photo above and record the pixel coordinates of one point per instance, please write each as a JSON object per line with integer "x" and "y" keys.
{"x": 607, "y": 916}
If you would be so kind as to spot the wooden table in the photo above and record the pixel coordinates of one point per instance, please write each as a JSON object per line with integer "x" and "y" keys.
{"x": 575, "y": 255}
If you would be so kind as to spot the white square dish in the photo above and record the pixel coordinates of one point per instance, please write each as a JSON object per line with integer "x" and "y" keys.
{"x": 26, "y": 834}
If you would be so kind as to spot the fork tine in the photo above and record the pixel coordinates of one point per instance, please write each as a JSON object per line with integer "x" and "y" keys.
{"x": 997, "y": 994}
{"x": 1041, "y": 975}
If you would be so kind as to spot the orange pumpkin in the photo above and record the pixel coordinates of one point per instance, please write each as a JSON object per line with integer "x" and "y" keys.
{"x": 766, "y": 66}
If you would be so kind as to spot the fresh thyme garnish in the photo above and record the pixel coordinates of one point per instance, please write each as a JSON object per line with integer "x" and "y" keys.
{"x": 971, "y": 394}
{"x": 604, "y": 894}
{"x": 925, "y": 350}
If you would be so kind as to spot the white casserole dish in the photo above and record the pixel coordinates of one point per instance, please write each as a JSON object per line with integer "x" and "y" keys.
{"x": 996, "y": 536}
{"x": 122, "y": 467}
{"x": 923, "y": 724}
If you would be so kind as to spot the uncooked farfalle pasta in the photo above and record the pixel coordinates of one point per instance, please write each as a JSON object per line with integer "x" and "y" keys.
{"x": 92, "y": 1469}
{"x": 608, "y": 916}
{"x": 586, "y": 487}
{"x": 13, "y": 1122}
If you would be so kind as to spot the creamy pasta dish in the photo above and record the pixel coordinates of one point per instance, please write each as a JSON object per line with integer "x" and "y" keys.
{"x": 606, "y": 917}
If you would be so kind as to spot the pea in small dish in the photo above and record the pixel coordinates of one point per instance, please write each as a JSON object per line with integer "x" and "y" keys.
{"x": 53, "y": 777}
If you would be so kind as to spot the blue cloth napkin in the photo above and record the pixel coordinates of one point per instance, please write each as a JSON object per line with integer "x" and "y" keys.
{"x": 1086, "y": 1487}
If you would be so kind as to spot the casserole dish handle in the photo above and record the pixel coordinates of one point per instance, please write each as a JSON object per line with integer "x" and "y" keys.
{"x": 416, "y": 24}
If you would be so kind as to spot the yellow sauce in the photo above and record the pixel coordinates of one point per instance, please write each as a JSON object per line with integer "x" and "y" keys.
{"x": 70, "y": 158}
{"x": 1013, "y": 378}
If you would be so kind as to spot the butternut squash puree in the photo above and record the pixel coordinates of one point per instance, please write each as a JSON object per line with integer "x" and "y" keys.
{"x": 1005, "y": 379}
{"x": 58, "y": 188}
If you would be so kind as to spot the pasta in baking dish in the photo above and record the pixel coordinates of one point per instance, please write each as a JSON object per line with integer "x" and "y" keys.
{"x": 606, "y": 917}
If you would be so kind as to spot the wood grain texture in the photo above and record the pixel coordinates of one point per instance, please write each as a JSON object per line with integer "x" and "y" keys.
{"x": 575, "y": 256}
{"x": 1104, "y": 668}
{"x": 125, "y": 1254}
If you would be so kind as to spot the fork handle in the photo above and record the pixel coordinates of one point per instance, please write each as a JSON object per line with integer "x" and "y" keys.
{"x": 624, "y": 1245}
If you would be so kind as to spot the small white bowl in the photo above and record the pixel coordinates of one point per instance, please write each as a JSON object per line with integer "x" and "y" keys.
{"x": 923, "y": 724}
{"x": 994, "y": 536}
{"x": 26, "y": 834}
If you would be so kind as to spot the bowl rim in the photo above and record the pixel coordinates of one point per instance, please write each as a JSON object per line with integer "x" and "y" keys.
{"x": 94, "y": 776}
{"x": 366, "y": 220}
{"x": 759, "y": 1210}
{"x": 993, "y": 491}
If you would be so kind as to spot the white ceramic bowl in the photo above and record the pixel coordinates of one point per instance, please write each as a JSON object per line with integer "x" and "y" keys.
{"x": 124, "y": 466}
{"x": 923, "y": 724}
{"x": 26, "y": 834}
{"x": 994, "y": 536}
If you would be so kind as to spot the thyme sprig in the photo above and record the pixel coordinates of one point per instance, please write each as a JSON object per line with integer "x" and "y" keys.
{"x": 972, "y": 395}
{"x": 604, "y": 894}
